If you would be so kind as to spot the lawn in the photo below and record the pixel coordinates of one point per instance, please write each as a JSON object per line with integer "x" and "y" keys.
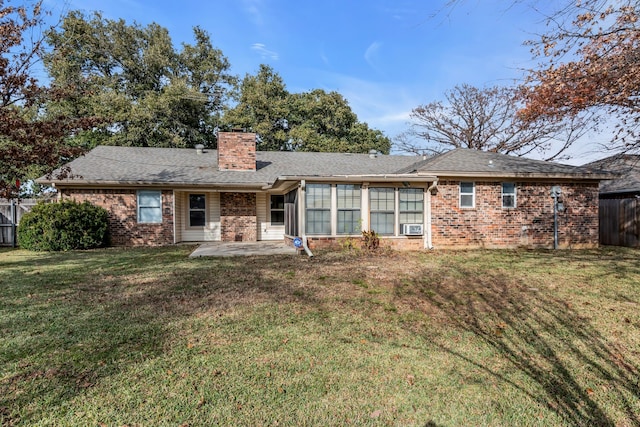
{"x": 150, "y": 337}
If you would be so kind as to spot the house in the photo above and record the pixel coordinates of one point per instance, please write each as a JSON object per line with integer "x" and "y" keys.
{"x": 463, "y": 198}
{"x": 619, "y": 200}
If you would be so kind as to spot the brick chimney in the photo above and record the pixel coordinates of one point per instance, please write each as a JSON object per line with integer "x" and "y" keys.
{"x": 236, "y": 151}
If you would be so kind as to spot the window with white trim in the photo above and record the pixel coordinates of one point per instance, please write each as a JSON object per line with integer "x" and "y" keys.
{"x": 318, "y": 203}
{"x": 149, "y": 206}
{"x": 411, "y": 205}
{"x": 276, "y": 209}
{"x": 348, "y": 204}
{"x": 382, "y": 205}
{"x": 508, "y": 195}
{"x": 197, "y": 210}
{"x": 467, "y": 195}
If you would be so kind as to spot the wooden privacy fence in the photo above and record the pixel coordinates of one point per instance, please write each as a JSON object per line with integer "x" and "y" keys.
{"x": 11, "y": 212}
{"x": 620, "y": 222}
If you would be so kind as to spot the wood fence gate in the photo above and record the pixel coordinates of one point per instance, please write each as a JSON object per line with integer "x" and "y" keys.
{"x": 620, "y": 222}
{"x": 11, "y": 211}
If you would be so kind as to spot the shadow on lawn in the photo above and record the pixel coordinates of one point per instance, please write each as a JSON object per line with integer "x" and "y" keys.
{"x": 543, "y": 337}
{"x": 67, "y": 335}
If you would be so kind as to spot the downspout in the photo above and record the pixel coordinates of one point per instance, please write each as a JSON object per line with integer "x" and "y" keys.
{"x": 432, "y": 187}
{"x": 303, "y": 218}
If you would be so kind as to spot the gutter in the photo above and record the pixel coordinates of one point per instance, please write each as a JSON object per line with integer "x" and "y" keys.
{"x": 352, "y": 178}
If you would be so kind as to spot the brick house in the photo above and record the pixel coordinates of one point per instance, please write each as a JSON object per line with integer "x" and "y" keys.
{"x": 463, "y": 198}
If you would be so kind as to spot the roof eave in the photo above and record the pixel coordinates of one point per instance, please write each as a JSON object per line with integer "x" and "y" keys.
{"x": 132, "y": 184}
{"x": 523, "y": 175}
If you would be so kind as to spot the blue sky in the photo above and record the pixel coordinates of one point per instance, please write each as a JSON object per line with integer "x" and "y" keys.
{"x": 384, "y": 56}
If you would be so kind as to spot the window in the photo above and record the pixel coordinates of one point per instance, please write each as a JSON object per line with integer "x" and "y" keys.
{"x": 318, "y": 202}
{"x": 382, "y": 210}
{"x": 508, "y": 195}
{"x": 149, "y": 206}
{"x": 277, "y": 209}
{"x": 411, "y": 206}
{"x": 197, "y": 210}
{"x": 348, "y": 209}
{"x": 467, "y": 195}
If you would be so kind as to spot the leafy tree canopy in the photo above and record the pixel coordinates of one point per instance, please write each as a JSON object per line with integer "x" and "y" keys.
{"x": 310, "y": 121}
{"x": 149, "y": 93}
{"x": 591, "y": 63}
{"x": 31, "y": 142}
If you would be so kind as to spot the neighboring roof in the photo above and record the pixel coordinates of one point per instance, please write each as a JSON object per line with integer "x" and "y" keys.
{"x": 626, "y": 167}
{"x": 462, "y": 162}
{"x": 179, "y": 167}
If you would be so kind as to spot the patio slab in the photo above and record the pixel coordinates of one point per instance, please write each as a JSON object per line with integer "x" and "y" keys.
{"x": 228, "y": 249}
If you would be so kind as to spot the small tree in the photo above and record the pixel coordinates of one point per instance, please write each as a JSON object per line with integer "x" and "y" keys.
{"x": 32, "y": 140}
{"x": 64, "y": 226}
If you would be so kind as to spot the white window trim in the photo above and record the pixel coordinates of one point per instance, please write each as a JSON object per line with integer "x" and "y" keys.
{"x": 473, "y": 195}
{"x": 138, "y": 206}
{"x": 335, "y": 220}
{"x": 269, "y": 210}
{"x": 206, "y": 212}
{"x": 515, "y": 195}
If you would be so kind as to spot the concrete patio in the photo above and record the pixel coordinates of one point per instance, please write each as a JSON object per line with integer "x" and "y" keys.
{"x": 228, "y": 249}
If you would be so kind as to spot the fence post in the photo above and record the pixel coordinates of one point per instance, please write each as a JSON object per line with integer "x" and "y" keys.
{"x": 14, "y": 219}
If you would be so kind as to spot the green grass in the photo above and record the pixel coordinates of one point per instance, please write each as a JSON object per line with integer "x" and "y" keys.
{"x": 151, "y": 337}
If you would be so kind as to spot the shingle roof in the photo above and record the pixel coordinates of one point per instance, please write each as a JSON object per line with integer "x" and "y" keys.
{"x": 626, "y": 167}
{"x": 184, "y": 167}
{"x": 467, "y": 162}
{"x": 112, "y": 164}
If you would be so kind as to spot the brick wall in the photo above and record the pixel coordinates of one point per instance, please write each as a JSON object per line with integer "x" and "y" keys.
{"x": 238, "y": 217}
{"x": 237, "y": 151}
{"x": 123, "y": 217}
{"x": 530, "y": 224}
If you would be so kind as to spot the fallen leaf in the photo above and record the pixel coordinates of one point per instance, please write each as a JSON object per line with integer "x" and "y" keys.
{"x": 590, "y": 391}
{"x": 411, "y": 379}
{"x": 376, "y": 413}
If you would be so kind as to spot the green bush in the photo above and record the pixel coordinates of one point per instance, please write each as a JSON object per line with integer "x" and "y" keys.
{"x": 64, "y": 226}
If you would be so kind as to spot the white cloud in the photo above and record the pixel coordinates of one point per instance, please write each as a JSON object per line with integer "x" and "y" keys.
{"x": 265, "y": 53}
{"x": 384, "y": 106}
{"x": 371, "y": 54}
{"x": 253, "y": 8}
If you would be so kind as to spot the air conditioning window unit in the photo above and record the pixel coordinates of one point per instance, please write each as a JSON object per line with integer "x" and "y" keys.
{"x": 412, "y": 229}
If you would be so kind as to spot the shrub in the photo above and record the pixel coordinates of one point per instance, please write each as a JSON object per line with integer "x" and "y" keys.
{"x": 64, "y": 226}
{"x": 370, "y": 240}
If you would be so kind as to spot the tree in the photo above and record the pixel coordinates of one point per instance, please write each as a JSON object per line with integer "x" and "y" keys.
{"x": 32, "y": 140}
{"x": 148, "y": 93}
{"x": 262, "y": 107}
{"x": 310, "y": 121}
{"x": 592, "y": 64}
{"x": 485, "y": 119}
